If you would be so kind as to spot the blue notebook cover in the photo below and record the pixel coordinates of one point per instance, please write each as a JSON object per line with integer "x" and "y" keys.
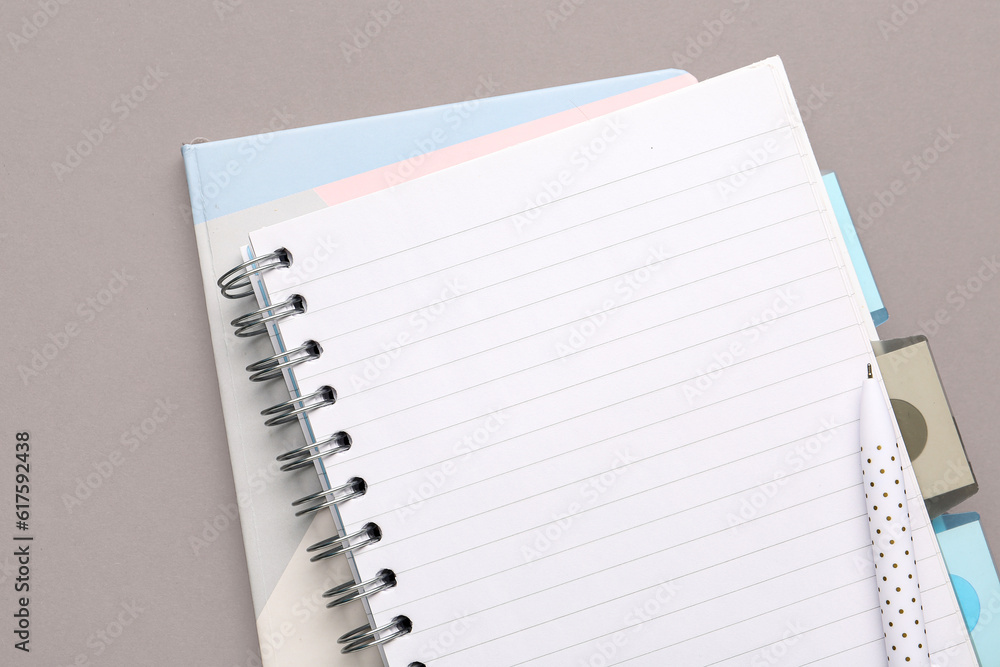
{"x": 278, "y": 164}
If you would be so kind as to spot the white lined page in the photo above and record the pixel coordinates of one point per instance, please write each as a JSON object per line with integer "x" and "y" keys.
{"x": 614, "y": 368}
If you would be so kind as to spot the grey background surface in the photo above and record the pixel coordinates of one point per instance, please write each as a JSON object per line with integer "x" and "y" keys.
{"x": 115, "y": 578}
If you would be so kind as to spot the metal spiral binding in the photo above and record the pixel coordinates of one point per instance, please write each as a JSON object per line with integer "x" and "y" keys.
{"x": 370, "y": 533}
{"x": 350, "y": 591}
{"x": 271, "y": 367}
{"x": 354, "y": 488}
{"x": 235, "y": 283}
{"x": 287, "y": 412}
{"x": 366, "y": 636}
{"x": 303, "y": 457}
{"x": 255, "y": 323}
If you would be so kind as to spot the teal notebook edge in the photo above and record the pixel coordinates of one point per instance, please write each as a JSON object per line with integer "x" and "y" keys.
{"x": 974, "y": 578}
{"x": 857, "y": 253}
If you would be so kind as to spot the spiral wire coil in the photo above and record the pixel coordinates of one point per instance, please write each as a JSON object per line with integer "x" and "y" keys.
{"x": 255, "y": 323}
{"x": 271, "y": 367}
{"x": 366, "y": 636}
{"x": 237, "y": 283}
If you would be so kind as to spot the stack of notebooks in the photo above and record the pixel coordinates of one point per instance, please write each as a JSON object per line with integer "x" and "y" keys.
{"x": 579, "y": 387}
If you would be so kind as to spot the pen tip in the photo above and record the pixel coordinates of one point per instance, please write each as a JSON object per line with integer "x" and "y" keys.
{"x": 869, "y": 371}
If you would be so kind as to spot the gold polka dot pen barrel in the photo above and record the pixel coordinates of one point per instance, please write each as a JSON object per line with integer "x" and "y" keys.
{"x": 892, "y": 542}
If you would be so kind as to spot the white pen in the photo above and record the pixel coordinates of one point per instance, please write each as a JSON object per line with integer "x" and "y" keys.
{"x": 892, "y": 542}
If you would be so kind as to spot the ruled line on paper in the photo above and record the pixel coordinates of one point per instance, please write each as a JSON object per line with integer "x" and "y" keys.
{"x": 577, "y": 194}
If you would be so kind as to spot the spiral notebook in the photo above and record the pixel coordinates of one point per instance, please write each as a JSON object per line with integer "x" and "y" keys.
{"x": 593, "y": 398}
{"x": 285, "y": 587}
